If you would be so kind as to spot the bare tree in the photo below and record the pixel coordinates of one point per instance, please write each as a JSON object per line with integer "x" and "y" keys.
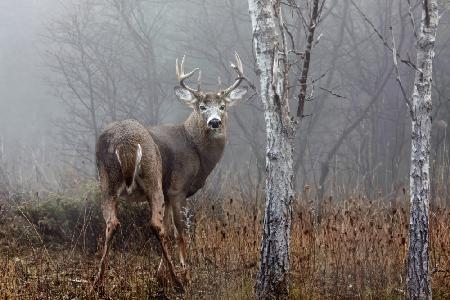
{"x": 104, "y": 68}
{"x": 271, "y": 55}
{"x": 418, "y": 273}
{"x": 270, "y": 35}
{"x": 420, "y": 110}
{"x": 325, "y": 165}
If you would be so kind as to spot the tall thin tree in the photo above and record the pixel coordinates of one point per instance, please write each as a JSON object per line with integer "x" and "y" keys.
{"x": 271, "y": 49}
{"x": 271, "y": 55}
{"x": 418, "y": 278}
{"x": 418, "y": 274}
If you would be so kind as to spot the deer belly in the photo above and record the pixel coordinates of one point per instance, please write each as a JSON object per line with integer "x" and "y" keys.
{"x": 195, "y": 187}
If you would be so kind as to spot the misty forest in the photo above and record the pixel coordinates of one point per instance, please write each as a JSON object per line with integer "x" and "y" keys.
{"x": 224, "y": 149}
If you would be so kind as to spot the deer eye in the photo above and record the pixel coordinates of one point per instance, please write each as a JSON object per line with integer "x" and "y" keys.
{"x": 222, "y": 107}
{"x": 202, "y": 107}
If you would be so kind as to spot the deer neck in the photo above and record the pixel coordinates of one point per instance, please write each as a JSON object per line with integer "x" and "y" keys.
{"x": 208, "y": 144}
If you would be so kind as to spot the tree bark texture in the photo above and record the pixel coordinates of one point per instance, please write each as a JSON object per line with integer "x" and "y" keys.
{"x": 418, "y": 276}
{"x": 269, "y": 43}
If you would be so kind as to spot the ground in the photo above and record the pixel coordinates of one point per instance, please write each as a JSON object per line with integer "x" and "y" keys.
{"x": 358, "y": 251}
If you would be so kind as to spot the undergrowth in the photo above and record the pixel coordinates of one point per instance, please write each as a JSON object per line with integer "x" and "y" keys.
{"x": 50, "y": 249}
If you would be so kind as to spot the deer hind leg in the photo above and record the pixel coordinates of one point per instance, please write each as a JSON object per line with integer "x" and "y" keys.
{"x": 157, "y": 223}
{"x": 179, "y": 206}
{"x": 167, "y": 223}
{"x": 109, "y": 208}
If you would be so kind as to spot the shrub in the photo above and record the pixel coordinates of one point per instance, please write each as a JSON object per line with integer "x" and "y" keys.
{"x": 78, "y": 222}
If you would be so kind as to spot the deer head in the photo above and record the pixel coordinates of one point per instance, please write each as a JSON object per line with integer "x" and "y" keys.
{"x": 210, "y": 107}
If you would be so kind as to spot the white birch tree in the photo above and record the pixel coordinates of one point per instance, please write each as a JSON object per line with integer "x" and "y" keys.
{"x": 269, "y": 38}
{"x": 269, "y": 41}
{"x": 418, "y": 279}
{"x": 418, "y": 274}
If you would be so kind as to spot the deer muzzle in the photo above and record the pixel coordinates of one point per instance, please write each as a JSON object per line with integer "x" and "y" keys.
{"x": 214, "y": 123}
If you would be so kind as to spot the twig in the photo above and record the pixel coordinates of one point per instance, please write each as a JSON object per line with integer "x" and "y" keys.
{"x": 397, "y": 77}
{"x": 304, "y": 76}
{"x": 250, "y": 98}
{"x": 408, "y": 62}
{"x": 318, "y": 78}
{"x": 250, "y": 84}
{"x": 411, "y": 17}
{"x": 50, "y": 260}
{"x": 332, "y": 93}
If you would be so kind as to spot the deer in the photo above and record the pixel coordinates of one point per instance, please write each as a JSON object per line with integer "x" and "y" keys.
{"x": 165, "y": 165}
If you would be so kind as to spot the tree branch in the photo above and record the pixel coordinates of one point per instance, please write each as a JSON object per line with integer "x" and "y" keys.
{"x": 408, "y": 62}
{"x": 307, "y": 61}
{"x": 397, "y": 77}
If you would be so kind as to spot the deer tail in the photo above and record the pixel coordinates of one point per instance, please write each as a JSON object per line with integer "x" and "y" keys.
{"x": 129, "y": 158}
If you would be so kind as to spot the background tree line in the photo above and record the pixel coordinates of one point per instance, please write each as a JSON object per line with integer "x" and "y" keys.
{"x": 110, "y": 60}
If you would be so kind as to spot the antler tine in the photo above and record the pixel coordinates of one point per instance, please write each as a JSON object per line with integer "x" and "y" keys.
{"x": 177, "y": 71}
{"x": 199, "y": 80}
{"x": 239, "y": 66}
{"x": 182, "y": 64}
{"x": 181, "y": 76}
{"x": 219, "y": 80}
{"x": 239, "y": 70}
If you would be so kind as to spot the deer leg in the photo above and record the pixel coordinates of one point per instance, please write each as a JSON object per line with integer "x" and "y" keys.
{"x": 157, "y": 224}
{"x": 178, "y": 209}
{"x": 167, "y": 222}
{"x": 109, "y": 208}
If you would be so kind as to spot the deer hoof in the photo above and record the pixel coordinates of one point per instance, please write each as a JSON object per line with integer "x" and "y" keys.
{"x": 97, "y": 286}
{"x": 185, "y": 276}
{"x": 179, "y": 288}
{"x": 161, "y": 278}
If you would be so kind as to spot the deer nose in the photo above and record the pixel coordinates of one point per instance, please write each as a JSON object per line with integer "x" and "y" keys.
{"x": 214, "y": 123}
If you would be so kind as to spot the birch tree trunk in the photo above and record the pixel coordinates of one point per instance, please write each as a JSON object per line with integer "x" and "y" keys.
{"x": 418, "y": 276}
{"x": 269, "y": 41}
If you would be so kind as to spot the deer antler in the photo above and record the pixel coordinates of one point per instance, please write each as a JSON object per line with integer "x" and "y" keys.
{"x": 239, "y": 70}
{"x": 181, "y": 76}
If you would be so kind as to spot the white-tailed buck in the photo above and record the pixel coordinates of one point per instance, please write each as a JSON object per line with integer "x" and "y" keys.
{"x": 166, "y": 164}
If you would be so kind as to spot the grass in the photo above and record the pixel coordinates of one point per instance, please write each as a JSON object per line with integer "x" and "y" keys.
{"x": 358, "y": 251}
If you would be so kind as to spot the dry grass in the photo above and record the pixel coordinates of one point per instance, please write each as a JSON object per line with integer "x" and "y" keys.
{"x": 358, "y": 251}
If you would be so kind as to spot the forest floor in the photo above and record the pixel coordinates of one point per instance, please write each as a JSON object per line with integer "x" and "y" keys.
{"x": 357, "y": 252}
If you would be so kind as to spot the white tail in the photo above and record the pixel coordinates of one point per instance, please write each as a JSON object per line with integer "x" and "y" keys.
{"x": 137, "y": 168}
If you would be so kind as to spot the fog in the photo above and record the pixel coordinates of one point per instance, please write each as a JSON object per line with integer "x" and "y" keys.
{"x": 25, "y": 105}
{"x": 355, "y": 138}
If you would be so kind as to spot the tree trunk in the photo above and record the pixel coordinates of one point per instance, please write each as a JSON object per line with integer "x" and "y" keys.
{"x": 418, "y": 276}
{"x": 268, "y": 35}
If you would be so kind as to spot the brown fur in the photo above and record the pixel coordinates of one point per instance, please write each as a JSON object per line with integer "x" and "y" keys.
{"x": 124, "y": 136}
{"x": 189, "y": 153}
{"x": 176, "y": 161}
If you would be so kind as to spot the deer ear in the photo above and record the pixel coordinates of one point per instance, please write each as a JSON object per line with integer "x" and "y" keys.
{"x": 185, "y": 96}
{"x": 236, "y": 95}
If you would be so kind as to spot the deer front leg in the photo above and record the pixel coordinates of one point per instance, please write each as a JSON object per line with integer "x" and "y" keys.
{"x": 157, "y": 207}
{"x": 109, "y": 208}
{"x": 176, "y": 205}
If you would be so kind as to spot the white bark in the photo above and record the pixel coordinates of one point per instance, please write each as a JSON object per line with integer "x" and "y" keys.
{"x": 418, "y": 276}
{"x": 269, "y": 41}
